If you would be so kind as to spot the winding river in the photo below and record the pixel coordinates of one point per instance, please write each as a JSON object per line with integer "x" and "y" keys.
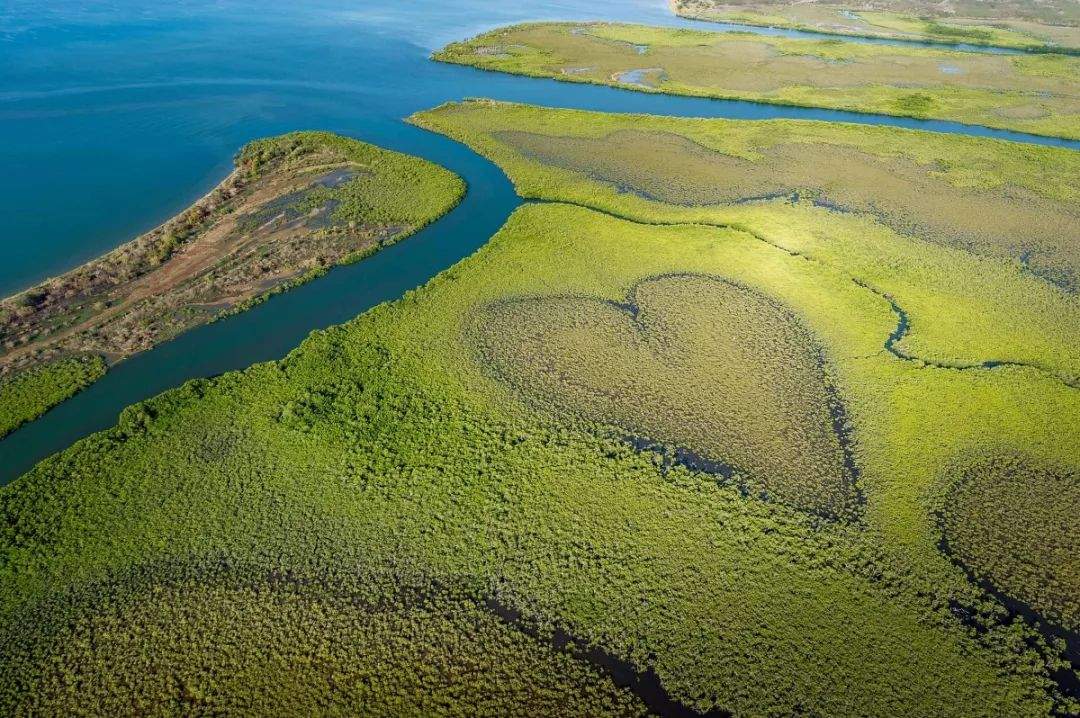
{"x": 119, "y": 117}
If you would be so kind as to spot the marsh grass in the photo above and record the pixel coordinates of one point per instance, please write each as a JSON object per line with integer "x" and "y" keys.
{"x": 911, "y": 197}
{"x": 1042, "y": 26}
{"x": 972, "y": 292}
{"x": 1027, "y": 94}
{"x": 689, "y": 360}
{"x": 911, "y": 423}
{"x": 229, "y": 640}
{"x": 382, "y": 456}
{"x": 383, "y": 445}
{"x": 1015, "y": 522}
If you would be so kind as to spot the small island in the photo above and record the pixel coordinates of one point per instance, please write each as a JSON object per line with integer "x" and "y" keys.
{"x": 293, "y": 207}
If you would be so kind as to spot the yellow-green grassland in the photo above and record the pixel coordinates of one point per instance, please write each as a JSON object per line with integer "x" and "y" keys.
{"x": 394, "y": 451}
{"x": 950, "y": 298}
{"x": 974, "y": 240}
{"x": 1047, "y": 26}
{"x": 1029, "y": 93}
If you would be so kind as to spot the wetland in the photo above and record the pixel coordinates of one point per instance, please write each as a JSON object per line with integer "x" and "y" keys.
{"x": 795, "y": 397}
{"x": 1027, "y": 93}
{"x": 1043, "y": 26}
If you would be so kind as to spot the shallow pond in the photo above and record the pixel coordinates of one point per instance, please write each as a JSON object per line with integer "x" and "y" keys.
{"x": 644, "y": 77}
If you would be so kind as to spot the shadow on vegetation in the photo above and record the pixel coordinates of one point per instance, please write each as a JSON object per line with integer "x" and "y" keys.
{"x": 79, "y": 624}
{"x": 646, "y": 684}
{"x": 1010, "y": 522}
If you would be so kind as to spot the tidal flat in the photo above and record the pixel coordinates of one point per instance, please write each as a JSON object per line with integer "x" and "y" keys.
{"x": 294, "y": 206}
{"x": 1027, "y": 93}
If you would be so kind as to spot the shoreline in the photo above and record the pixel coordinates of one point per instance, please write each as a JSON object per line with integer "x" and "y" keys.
{"x": 276, "y": 221}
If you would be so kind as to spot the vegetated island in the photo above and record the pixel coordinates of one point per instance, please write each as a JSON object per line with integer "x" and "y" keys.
{"x": 411, "y": 512}
{"x": 1044, "y": 26}
{"x": 1038, "y": 94}
{"x": 295, "y": 206}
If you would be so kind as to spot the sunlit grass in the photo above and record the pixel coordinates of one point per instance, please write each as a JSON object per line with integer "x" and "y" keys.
{"x": 1043, "y": 26}
{"x": 1028, "y": 94}
{"x": 27, "y": 395}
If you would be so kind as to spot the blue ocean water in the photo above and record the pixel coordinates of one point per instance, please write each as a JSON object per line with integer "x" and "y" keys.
{"x": 116, "y": 114}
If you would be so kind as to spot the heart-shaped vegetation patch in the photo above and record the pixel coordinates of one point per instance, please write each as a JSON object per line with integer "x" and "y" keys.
{"x": 720, "y": 371}
{"x": 1015, "y": 522}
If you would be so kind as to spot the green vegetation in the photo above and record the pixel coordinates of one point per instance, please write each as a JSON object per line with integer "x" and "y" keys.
{"x": 1038, "y": 26}
{"x": 383, "y": 188}
{"x": 1016, "y": 523}
{"x": 27, "y": 395}
{"x": 383, "y": 447}
{"x": 298, "y": 645}
{"x": 689, "y": 360}
{"x": 952, "y": 241}
{"x": 984, "y": 198}
{"x": 295, "y": 206}
{"x": 682, "y": 173}
{"x": 713, "y": 406}
{"x": 1036, "y": 94}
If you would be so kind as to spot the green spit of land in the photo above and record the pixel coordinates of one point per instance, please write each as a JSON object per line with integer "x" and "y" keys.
{"x": 294, "y": 206}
